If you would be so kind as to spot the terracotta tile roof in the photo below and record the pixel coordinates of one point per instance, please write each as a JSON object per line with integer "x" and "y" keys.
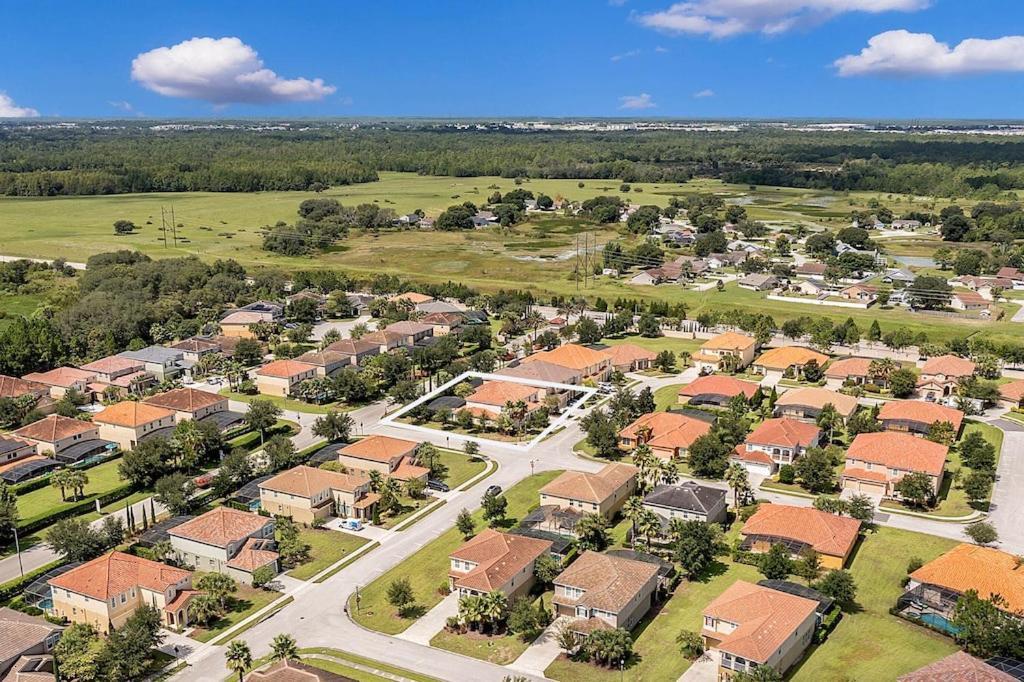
{"x": 921, "y": 412}
{"x": 1009, "y": 272}
{"x": 245, "y": 317}
{"x": 543, "y": 371}
{"x": 221, "y": 526}
{"x": 498, "y": 393}
{"x": 498, "y": 557}
{"x": 811, "y": 268}
{"x": 609, "y": 583}
{"x": 111, "y": 364}
{"x": 185, "y": 399}
{"x": 765, "y": 619}
{"x": 13, "y": 387}
{"x": 668, "y": 429}
{"x": 844, "y": 368}
{"x": 285, "y": 369}
{"x": 53, "y": 428}
{"x": 304, "y": 481}
{"x": 817, "y": 398}
{"x": 950, "y": 365}
{"x": 729, "y": 341}
{"x": 180, "y": 600}
{"x": 406, "y": 470}
{"x": 572, "y": 355}
{"x": 116, "y": 572}
{"x": 588, "y": 487}
{"x": 126, "y": 380}
{"x": 131, "y": 414}
{"x": 787, "y": 356}
{"x": 413, "y": 297}
{"x": 1013, "y": 390}
{"x": 957, "y": 667}
{"x": 480, "y": 412}
{"x": 899, "y": 451}
{"x": 826, "y": 533}
{"x": 352, "y": 346}
{"x": 379, "y": 448}
{"x": 408, "y": 328}
{"x": 196, "y": 345}
{"x": 628, "y": 353}
{"x": 323, "y": 358}
{"x": 783, "y": 431}
{"x": 718, "y": 384}
{"x": 20, "y": 632}
{"x": 858, "y": 474}
{"x": 62, "y": 376}
{"x": 384, "y": 338}
{"x": 252, "y": 556}
{"x": 983, "y": 569}
{"x": 970, "y": 298}
{"x": 741, "y": 453}
{"x": 442, "y": 319}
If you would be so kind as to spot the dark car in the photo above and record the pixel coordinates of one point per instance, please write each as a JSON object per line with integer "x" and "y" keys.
{"x": 494, "y": 490}
{"x": 437, "y": 485}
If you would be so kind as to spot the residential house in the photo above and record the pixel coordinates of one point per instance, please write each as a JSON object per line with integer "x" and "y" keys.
{"x": 959, "y": 666}
{"x": 412, "y": 297}
{"x": 357, "y": 350}
{"x": 191, "y": 403}
{"x": 494, "y": 561}
{"x": 917, "y": 416}
{"x": 603, "y": 492}
{"x": 689, "y": 501}
{"x": 443, "y": 323}
{"x": 940, "y": 376}
{"x": 327, "y": 362}
{"x": 810, "y": 269}
{"x": 13, "y": 449}
{"x": 62, "y": 380}
{"x": 775, "y": 442}
{"x": 193, "y": 349}
{"x": 877, "y": 462}
{"x": 905, "y": 224}
{"x": 318, "y": 299}
{"x": 629, "y": 357}
{"x": 38, "y": 394}
{"x": 22, "y": 635}
{"x": 712, "y": 352}
{"x": 863, "y": 293}
{"x": 757, "y": 281}
{"x": 413, "y": 332}
{"x": 899, "y": 277}
{"x": 238, "y": 324}
{"x": 669, "y": 272}
{"x": 307, "y": 494}
{"x": 122, "y": 375}
{"x": 106, "y": 591}
{"x": 359, "y": 303}
{"x": 806, "y": 403}
{"x": 281, "y": 377}
{"x": 811, "y": 287}
{"x": 614, "y": 590}
{"x": 491, "y": 397}
{"x": 799, "y": 528}
{"x": 386, "y": 341}
{"x": 393, "y": 457}
{"x": 847, "y": 371}
{"x": 275, "y": 310}
{"x": 750, "y": 626}
{"x": 968, "y": 301}
{"x": 715, "y": 389}
{"x": 128, "y": 423}
{"x": 1011, "y": 395}
{"x": 54, "y": 434}
{"x": 787, "y": 360}
{"x": 163, "y": 363}
{"x": 592, "y": 364}
{"x": 228, "y": 541}
{"x": 543, "y": 371}
{"x": 1012, "y": 274}
{"x": 669, "y": 435}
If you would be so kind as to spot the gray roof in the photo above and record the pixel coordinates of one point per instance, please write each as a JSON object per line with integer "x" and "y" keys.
{"x": 157, "y": 354}
{"x": 824, "y": 603}
{"x": 688, "y": 495}
{"x": 20, "y": 632}
{"x": 542, "y": 370}
{"x": 438, "y": 307}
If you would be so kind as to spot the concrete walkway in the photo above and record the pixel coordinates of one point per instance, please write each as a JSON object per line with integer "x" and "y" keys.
{"x": 542, "y": 652}
{"x": 424, "y": 629}
{"x": 704, "y": 669}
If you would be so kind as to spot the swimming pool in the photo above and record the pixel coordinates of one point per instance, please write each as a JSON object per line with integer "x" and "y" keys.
{"x": 939, "y": 623}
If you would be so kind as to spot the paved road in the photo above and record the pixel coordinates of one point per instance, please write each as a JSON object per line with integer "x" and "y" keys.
{"x": 72, "y": 264}
{"x": 1007, "y": 508}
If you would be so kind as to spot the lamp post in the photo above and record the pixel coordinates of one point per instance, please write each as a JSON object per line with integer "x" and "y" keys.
{"x": 17, "y": 549}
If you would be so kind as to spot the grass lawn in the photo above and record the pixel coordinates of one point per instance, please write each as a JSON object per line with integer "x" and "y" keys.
{"x": 666, "y": 397}
{"x": 326, "y": 548}
{"x": 102, "y": 479}
{"x": 250, "y": 440}
{"x": 343, "y": 657}
{"x": 286, "y": 404}
{"x": 658, "y": 344}
{"x": 460, "y": 467}
{"x": 245, "y": 602}
{"x": 409, "y": 507}
{"x": 427, "y": 569}
{"x": 500, "y": 650}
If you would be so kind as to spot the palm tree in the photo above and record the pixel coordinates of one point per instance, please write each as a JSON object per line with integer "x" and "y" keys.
{"x": 471, "y": 611}
{"x": 202, "y": 609}
{"x": 882, "y": 368}
{"x": 644, "y": 460}
{"x": 59, "y": 479}
{"x": 494, "y": 605}
{"x": 534, "y": 320}
{"x": 648, "y": 525}
{"x": 77, "y": 480}
{"x": 188, "y": 442}
{"x": 668, "y": 471}
{"x": 161, "y": 550}
{"x": 239, "y": 658}
{"x": 736, "y": 477}
{"x": 283, "y": 648}
{"x": 632, "y": 510}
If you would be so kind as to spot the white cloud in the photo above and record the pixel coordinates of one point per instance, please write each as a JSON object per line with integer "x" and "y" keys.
{"x": 701, "y": 94}
{"x": 635, "y": 102}
{"x": 125, "y": 106}
{"x": 617, "y": 3}
{"x": 8, "y": 109}
{"x": 625, "y": 55}
{"x": 725, "y": 18}
{"x": 221, "y": 71}
{"x": 902, "y": 53}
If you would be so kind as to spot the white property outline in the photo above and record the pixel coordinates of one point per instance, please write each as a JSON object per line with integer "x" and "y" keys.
{"x": 519, "y": 447}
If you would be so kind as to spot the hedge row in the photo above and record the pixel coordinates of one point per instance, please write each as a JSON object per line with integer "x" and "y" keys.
{"x": 83, "y": 507}
{"x": 44, "y": 480}
{"x": 13, "y": 588}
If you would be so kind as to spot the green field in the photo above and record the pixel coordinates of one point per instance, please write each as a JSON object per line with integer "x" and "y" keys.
{"x": 102, "y": 479}
{"x": 245, "y": 602}
{"x": 327, "y": 547}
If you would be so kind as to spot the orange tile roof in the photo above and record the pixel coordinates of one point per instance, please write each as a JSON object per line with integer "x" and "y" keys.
{"x": 500, "y": 392}
{"x": 826, "y": 533}
{"x": 113, "y": 363}
{"x": 668, "y": 429}
{"x": 54, "y": 427}
{"x": 185, "y": 399}
{"x": 114, "y": 573}
{"x": 1013, "y": 390}
{"x": 221, "y": 526}
{"x": 379, "y": 448}
{"x": 970, "y": 298}
{"x": 13, "y": 387}
{"x": 787, "y": 356}
{"x": 304, "y": 481}
{"x": 323, "y": 358}
{"x": 765, "y": 619}
{"x": 498, "y": 557}
{"x": 921, "y": 412}
{"x": 986, "y": 570}
{"x": 573, "y": 356}
{"x": 817, "y": 398}
{"x": 62, "y": 376}
{"x": 718, "y": 384}
{"x": 858, "y": 474}
{"x": 252, "y": 556}
{"x": 609, "y": 583}
{"x": 628, "y": 353}
{"x": 352, "y": 346}
{"x": 844, "y": 368}
{"x": 285, "y": 369}
{"x": 899, "y": 451}
{"x": 131, "y": 414}
{"x": 957, "y": 667}
{"x": 588, "y": 487}
{"x": 759, "y": 456}
{"x": 406, "y": 470}
{"x": 784, "y": 431}
{"x": 949, "y": 365}
{"x": 729, "y": 341}
{"x": 245, "y": 318}
{"x": 413, "y": 297}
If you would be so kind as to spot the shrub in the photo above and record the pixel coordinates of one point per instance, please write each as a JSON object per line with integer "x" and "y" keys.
{"x": 787, "y": 474}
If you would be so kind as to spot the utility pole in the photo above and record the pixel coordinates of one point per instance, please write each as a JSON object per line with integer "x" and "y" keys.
{"x": 163, "y": 226}
{"x": 174, "y": 227}
{"x": 577, "y": 265}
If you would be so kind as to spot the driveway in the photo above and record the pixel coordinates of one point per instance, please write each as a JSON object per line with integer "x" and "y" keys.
{"x": 432, "y": 622}
{"x": 704, "y": 669}
{"x": 544, "y": 650}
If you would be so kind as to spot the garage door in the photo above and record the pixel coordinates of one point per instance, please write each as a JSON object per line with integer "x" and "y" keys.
{"x": 757, "y": 469}
{"x": 876, "y": 489}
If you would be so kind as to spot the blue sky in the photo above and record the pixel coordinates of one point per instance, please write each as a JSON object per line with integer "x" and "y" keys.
{"x": 491, "y": 58}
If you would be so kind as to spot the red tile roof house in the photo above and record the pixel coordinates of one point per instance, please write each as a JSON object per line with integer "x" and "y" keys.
{"x": 603, "y": 492}
{"x": 393, "y": 457}
{"x": 667, "y": 434}
{"x": 412, "y": 331}
{"x": 848, "y": 371}
{"x": 280, "y": 377}
{"x": 629, "y": 357}
{"x": 55, "y": 433}
{"x": 1011, "y": 395}
{"x": 443, "y": 323}
{"x": 715, "y": 389}
{"x": 807, "y": 403}
{"x": 969, "y": 300}
{"x": 128, "y": 423}
{"x": 13, "y": 449}
{"x": 124, "y": 374}
{"x": 492, "y": 396}
{"x": 307, "y": 494}
{"x": 940, "y": 376}
{"x": 958, "y": 667}
{"x": 495, "y": 561}
{"x": 750, "y": 626}
{"x": 798, "y": 528}
{"x": 228, "y": 541}
{"x": 730, "y": 344}
{"x": 357, "y": 350}
{"x": 775, "y": 442}
{"x": 328, "y": 362}
{"x": 13, "y": 387}
{"x": 190, "y": 403}
{"x": 386, "y": 341}
{"x": 62, "y": 379}
{"x": 592, "y": 364}
{"x": 787, "y": 361}
{"x": 917, "y": 416}
{"x": 615, "y": 591}
{"x": 876, "y": 462}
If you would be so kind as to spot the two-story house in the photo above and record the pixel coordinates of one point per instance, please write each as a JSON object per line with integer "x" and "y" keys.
{"x": 603, "y": 492}
{"x": 280, "y": 377}
{"x": 62, "y": 379}
{"x": 668, "y": 434}
{"x": 55, "y": 434}
{"x": 592, "y": 364}
{"x": 228, "y": 541}
{"x": 306, "y": 494}
{"x": 494, "y": 561}
{"x": 877, "y": 462}
{"x": 918, "y": 416}
{"x": 775, "y": 442}
{"x": 689, "y": 501}
{"x": 611, "y": 589}
{"x": 395, "y": 457}
{"x": 739, "y": 348}
{"x": 166, "y": 364}
{"x": 940, "y": 376}
{"x": 128, "y": 423}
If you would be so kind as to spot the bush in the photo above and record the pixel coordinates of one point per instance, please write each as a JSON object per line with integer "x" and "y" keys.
{"x": 787, "y": 474}
{"x": 746, "y": 512}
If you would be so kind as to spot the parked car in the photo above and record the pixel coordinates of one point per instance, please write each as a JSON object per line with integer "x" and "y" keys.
{"x": 493, "y": 490}
{"x": 437, "y": 485}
